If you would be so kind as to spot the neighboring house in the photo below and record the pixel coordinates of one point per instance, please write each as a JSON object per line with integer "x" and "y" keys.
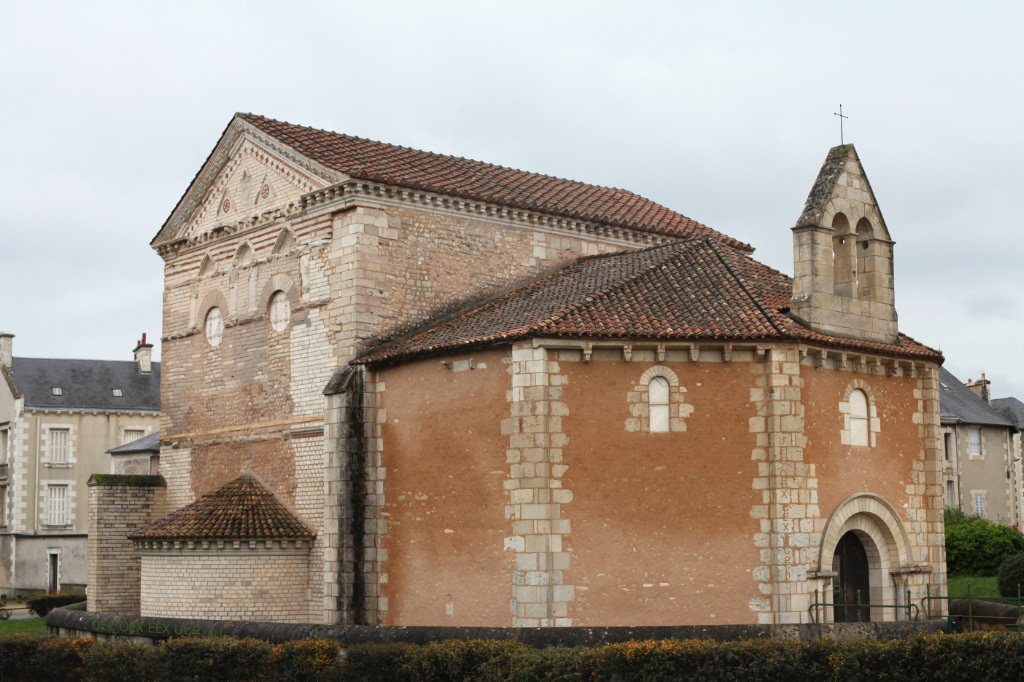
{"x": 981, "y": 452}
{"x": 140, "y": 457}
{"x": 57, "y": 420}
{"x": 593, "y": 410}
{"x": 1013, "y": 410}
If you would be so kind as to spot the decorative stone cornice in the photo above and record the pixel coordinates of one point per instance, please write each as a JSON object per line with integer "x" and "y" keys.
{"x": 235, "y": 134}
{"x": 352, "y": 190}
{"x": 227, "y": 545}
{"x": 170, "y": 250}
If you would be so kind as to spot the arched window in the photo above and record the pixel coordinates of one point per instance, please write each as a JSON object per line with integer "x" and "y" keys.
{"x": 859, "y": 434}
{"x": 657, "y": 398}
{"x": 280, "y": 311}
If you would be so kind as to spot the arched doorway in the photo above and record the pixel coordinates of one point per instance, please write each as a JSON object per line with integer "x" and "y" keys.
{"x": 850, "y": 563}
{"x": 868, "y": 528}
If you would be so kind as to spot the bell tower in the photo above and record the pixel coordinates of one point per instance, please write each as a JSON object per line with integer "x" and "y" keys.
{"x": 842, "y": 256}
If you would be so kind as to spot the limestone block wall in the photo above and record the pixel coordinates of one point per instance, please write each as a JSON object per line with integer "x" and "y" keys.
{"x": 260, "y": 580}
{"x": 118, "y": 506}
{"x": 394, "y": 266}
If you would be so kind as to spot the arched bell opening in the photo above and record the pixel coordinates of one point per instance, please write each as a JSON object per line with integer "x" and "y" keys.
{"x": 844, "y": 257}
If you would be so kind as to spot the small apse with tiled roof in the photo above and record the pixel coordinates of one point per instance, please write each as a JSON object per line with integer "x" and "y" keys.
{"x": 499, "y": 398}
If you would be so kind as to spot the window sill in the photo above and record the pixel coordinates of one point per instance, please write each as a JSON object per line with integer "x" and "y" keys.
{"x": 47, "y": 526}
{"x": 58, "y": 465}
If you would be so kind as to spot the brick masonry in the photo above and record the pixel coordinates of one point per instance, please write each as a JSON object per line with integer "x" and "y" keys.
{"x": 119, "y": 505}
{"x": 266, "y": 580}
{"x": 351, "y": 271}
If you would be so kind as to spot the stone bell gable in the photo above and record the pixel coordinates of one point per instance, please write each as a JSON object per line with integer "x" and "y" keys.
{"x": 842, "y": 252}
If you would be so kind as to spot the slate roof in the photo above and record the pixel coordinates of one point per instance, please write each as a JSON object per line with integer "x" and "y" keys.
{"x": 404, "y": 167}
{"x": 1012, "y": 409}
{"x": 150, "y": 443}
{"x": 959, "y": 403}
{"x": 691, "y": 289}
{"x": 86, "y": 384}
{"x": 240, "y": 510}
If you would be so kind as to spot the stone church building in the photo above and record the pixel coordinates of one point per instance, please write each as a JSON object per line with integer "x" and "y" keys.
{"x": 404, "y": 388}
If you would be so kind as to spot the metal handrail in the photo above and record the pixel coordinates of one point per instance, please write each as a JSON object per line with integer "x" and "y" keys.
{"x": 909, "y": 607}
{"x": 926, "y": 603}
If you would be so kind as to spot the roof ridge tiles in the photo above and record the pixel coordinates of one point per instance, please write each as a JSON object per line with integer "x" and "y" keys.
{"x": 765, "y": 310}
{"x": 620, "y": 283}
{"x": 476, "y": 180}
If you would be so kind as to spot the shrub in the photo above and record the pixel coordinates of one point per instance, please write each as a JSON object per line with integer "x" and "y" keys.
{"x": 121, "y": 662}
{"x": 935, "y": 658}
{"x": 42, "y": 604}
{"x": 189, "y": 659}
{"x": 976, "y": 546}
{"x": 308, "y": 659}
{"x": 43, "y": 658}
{"x": 1011, "y": 574}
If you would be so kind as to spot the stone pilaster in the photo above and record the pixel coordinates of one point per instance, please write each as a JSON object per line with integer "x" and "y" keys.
{"x": 926, "y": 495}
{"x": 540, "y": 597}
{"x": 789, "y": 512}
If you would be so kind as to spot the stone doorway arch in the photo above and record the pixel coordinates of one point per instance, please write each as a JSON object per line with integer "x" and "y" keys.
{"x": 878, "y": 529}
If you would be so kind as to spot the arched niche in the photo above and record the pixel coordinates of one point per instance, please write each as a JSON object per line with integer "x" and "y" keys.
{"x": 244, "y": 255}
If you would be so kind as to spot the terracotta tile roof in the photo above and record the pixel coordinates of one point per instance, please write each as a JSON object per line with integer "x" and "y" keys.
{"x": 241, "y": 509}
{"x": 691, "y": 289}
{"x": 468, "y": 179}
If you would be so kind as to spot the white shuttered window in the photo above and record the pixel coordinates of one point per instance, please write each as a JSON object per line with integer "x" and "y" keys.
{"x": 59, "y": 446}
{"x": 56, "y": 505}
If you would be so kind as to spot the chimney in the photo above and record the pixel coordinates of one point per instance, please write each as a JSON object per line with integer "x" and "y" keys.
{"x": 982, "y": 388}
{"x": 6, "y": 349}
{"x": 144, "y": 355}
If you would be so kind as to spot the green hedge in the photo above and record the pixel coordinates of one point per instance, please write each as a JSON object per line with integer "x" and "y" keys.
{"x": 937, "y": 658}
{"x": 42, "y": 604}
{"x": 975, "y": 546}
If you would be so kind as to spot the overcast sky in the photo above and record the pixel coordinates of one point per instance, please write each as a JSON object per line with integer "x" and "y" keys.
{"x": 722, "y": 111}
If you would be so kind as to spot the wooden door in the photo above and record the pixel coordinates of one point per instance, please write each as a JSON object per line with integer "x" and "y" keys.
{"x": 52, "y": 581}
{"x": 851, "y": 563}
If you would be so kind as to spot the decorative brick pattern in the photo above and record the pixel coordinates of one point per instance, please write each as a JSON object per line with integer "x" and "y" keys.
{"x": 536, "y": 496}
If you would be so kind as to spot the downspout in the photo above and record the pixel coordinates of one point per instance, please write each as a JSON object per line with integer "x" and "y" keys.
{"x": 35, "y": 482}
{"x": 356, "y": 444}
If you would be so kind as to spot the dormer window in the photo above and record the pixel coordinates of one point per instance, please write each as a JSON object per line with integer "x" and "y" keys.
{"x": 57, "y": 390}
{"x": 117, "y": 393}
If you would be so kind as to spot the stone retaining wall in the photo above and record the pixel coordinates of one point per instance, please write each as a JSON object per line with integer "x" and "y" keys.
{"x": 75, "y": 622}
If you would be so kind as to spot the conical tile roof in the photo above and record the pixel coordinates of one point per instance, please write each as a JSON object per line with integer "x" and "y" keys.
{"x": 240, "y": 510}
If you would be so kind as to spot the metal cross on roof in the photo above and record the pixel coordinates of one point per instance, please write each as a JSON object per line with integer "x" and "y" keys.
{"x": 841, "y": 117}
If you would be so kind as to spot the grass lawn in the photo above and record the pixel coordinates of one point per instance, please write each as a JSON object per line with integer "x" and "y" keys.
{"x": 27, "y": 626}
{"x": 981, "y": 586}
